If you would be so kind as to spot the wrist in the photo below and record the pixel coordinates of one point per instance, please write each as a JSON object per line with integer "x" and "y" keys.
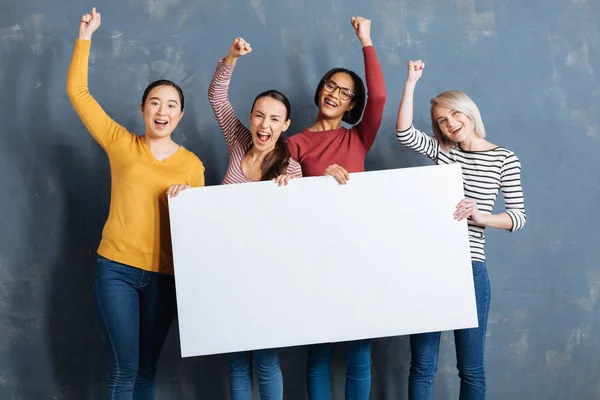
{"x": 230, "y": 60}
{"x": 85, "y": 37}
{"x": 484, "y": 219}
{"x": 366, "y": 42}
{"x": 409, "y": 87}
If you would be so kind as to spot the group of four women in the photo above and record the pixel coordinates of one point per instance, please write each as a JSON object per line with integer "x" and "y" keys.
{"x": 134, "y": 286}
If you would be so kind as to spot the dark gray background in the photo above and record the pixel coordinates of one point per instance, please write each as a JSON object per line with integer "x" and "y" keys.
{"x": 530, "y": 66}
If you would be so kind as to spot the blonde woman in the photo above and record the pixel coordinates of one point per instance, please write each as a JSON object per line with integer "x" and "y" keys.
{"x": 459, "y": 137}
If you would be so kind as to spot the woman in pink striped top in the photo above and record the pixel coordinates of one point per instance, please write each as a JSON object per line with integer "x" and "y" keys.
{"x": 256, "y": 154}
{"x": 259, "y": 153}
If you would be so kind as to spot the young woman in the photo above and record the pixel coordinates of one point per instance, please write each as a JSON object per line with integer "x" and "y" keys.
{"x": 134, "y": 288}
{"x": 327, "y": 148}
{"x": 259, "y": 153}
{"x": 459, "y": 137}
{"x": 256, "y": 154}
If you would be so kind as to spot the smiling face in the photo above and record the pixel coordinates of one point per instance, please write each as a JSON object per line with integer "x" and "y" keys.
{"x": 455, "y": 125}
{"x": 336, "y": 97}
{"x": 162, "y": 111}
{"x": 268, "y": 119}
{"x": 455, "y": 118}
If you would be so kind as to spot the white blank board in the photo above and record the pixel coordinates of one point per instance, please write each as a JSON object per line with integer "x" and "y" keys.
{"x": 260, "y": 266}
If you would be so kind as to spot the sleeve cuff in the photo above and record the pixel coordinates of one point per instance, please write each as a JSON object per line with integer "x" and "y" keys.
{"x": 410, "y": 128}
{"x": 513, "y": 220}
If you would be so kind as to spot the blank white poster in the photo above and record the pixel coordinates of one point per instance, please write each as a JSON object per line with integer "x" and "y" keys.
{"x": 260, "y": 266}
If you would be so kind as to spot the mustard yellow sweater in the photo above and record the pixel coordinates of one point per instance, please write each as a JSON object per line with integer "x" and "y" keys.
{"x": 136, "y": 232}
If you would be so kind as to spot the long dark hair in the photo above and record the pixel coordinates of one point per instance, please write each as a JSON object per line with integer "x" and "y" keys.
{"x": 350, "y": 117}
{"x": 277, "y": 161}
{"x": 162, "y": 82}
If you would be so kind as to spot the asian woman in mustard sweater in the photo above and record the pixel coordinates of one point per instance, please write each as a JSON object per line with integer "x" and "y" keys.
{"x": 134, "y": 286}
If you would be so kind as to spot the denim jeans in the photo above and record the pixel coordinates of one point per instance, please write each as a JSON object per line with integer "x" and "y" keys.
{"x": 266, "y": 364}
{"x": 358, "y": 370}
{"x": 470, "y": 347}
{"x": 135, "y": 308}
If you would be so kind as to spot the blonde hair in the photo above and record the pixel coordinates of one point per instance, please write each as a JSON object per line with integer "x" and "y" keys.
{"x": 459, "y": 101}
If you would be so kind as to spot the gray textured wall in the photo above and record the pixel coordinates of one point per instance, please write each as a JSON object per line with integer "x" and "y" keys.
{"x": 530, "y": 65}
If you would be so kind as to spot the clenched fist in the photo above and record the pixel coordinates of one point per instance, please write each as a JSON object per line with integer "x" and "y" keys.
{"x": 88, "y": 25}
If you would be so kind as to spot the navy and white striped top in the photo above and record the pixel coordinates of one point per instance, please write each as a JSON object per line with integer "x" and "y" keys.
{"x": 484, "y": 173}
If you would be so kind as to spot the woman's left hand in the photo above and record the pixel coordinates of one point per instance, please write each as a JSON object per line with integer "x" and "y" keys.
{"x": 283, "y": 180}
{"x": 362, "y": 28}
{"x": 467, "y": 208}
{"x": 174, "y": 190}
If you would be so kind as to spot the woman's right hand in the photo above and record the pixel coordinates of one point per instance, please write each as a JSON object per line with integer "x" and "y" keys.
{"x": 88, "y": 25}
{"x": 415, "y": 70}
{"x": 239, "y": 48}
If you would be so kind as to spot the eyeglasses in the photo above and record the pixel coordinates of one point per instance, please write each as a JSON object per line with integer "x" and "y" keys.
{"x": 330, "y": 87}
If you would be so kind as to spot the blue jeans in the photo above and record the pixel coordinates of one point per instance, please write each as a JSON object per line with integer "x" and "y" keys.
{"x": 358, "y": 370}
{"x": 270, "y": 379}
{"x": 470, "y": 347}
{"x": 135, "y": 308}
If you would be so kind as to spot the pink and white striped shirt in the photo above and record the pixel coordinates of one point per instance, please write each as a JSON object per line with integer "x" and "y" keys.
{"x": 237, "y": 136}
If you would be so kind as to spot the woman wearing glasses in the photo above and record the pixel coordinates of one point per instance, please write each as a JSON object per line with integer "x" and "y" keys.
{"x": 327, "y": 148}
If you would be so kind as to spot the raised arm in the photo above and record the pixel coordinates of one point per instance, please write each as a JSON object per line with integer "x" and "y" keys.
{"x": 376, "y": 94}
{"x": 406, "y": 133}
{"x": 97, "y": 122}
{"x": 236, "y": 134}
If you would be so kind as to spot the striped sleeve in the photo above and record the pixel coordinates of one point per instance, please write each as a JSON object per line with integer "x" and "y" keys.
{"x": 294, "y": 169}
{"x": 510, "y": 183}
{"x": 418, "y": 141}
{"x": 236, "y": 134}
